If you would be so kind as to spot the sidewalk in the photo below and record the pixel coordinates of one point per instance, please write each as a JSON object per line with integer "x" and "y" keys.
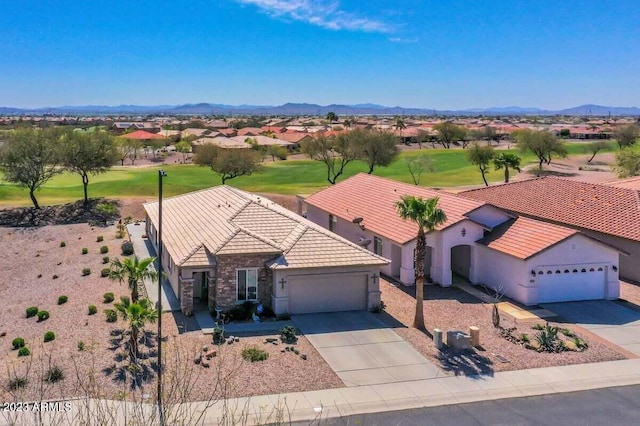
{"x": 143, "y": 248}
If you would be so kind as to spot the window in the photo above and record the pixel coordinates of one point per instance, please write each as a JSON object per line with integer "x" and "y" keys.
{"x": 246, "y": 285}
{"x": 377, "y": 245}
{"x": 332, "y": 223}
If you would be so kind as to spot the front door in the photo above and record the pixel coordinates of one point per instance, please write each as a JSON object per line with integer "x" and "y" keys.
{"x": 204, "y": 289}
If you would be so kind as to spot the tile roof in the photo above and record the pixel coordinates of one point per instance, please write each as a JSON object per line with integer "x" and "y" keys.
{"x": 628, "y": 183}
{"x": 223, "y": 220}
{"x": 523, "y": 237}
{"x": 373, "y": 198}
{"x": 601, "y": 208}
{"x": 141, "y": 135}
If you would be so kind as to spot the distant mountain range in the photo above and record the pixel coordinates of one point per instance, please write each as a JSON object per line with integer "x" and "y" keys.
{"x": 311, "y": 109}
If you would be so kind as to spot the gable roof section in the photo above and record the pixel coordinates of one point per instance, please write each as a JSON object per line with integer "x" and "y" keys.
{"x": 523, "y": 237}
{"x": 628, "y": 183}
{"x": 373, "y": 199}
{"x": 601, "y": 208}
{"x": 223, "y": 220}
{"x": 141, "y": 135}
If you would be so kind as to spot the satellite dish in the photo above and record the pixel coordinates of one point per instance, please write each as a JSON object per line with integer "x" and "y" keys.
{"x": 364, "y": 242}
{"x": 357, "y": 220}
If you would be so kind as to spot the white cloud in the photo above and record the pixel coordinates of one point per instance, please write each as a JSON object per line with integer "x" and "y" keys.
{"x": 403, "y": 40}
{"x": 322, "y": 13}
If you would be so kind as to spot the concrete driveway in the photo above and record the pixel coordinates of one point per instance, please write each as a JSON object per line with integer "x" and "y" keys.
{"x": 607, "y": 319}
{"x": 362, "y": 350}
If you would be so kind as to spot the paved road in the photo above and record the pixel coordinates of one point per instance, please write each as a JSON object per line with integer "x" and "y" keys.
{"x": 607, "y": 319}
{"x": 611, "y": 406}
{"x": 362, "y": 350}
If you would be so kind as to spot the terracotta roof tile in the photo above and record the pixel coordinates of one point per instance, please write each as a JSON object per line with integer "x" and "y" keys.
{"x": 601, "y": 208}
{"x": 523, "y": 237}
{"x": 373, "y": 198}
{"x": 628, "y": 183}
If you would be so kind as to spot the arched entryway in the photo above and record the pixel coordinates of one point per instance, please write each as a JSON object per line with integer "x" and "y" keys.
{"x": 461, "y": 261}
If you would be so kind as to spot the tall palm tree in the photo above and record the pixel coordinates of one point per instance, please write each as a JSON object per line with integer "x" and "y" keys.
{"x": 134, "y": 271}
{"x": 399, "y": 125}
{"x": 507, "y": 160}
{"x": 427, "y": 215}
{"x": 137, "y": 315}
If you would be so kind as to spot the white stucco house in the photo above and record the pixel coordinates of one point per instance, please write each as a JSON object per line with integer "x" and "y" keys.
{"x": 528, "y": 260}
{"x": 223, "y": 246}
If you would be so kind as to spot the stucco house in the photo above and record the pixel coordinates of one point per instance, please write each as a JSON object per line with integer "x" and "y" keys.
{"x": 223, "y": 246}
{"x": 607, "y": 212}
{"x": 528, "y": 260}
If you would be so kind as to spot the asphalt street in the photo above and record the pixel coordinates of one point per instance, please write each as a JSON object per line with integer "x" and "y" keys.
{"x": 619, "y": 406}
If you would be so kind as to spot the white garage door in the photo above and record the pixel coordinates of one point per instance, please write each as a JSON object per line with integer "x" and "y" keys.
{"x": 571, "y": 282}
{"x": 327, "y": 293}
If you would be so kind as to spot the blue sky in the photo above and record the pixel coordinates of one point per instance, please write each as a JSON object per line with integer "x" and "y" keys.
{"x": 412, "y": 53}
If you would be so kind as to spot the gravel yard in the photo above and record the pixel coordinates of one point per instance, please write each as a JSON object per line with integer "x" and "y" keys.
{"x": 453, "y": 309}
{"x": 29, "y": 259}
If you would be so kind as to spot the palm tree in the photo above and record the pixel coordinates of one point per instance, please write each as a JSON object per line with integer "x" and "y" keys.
{"x": 427, "y": 215}
{"x": 134, "y": 271}
{"x": 399, "y": 125}
{"x": 506, "y": 160}
{"x": 137, "y": 315}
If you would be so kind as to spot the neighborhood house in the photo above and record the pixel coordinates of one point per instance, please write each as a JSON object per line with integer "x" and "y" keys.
{"x": 528, "y": 260}
{"x": 223, "y": 246}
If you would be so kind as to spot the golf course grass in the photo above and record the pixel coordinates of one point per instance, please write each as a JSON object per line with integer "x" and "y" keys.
{"x": 283, "y": 177}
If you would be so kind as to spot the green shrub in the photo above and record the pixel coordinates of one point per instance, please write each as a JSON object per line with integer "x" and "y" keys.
{"x": 104, "y": 249}
{"x": 93, "y": 309}
{"x": 24, "y": 351}
{"x": 32, "y": 311}
{"x": 85, "y": 250}
{"x": 49, "y": 336}
{"x": 108, "y": 297}
{"x": 104, "y": 272}
{"x": 105, "y": 259}
{"x": 218, "y": 335}
{"x": 538, "y": 327}
{"x": 524, "y": 338}
{"x": 55, "y": 277}
{"x": 86, "y": 271}
{"x": 111, "y": 314}
{"x": 54, "y": 374}
{"x": 288, "y": 334}
{"x": 100, "y": 239}
{"x": 63, "y": 244}
{"x": 254, "y": 354}
{"x": 568, "y": 332}
{"x": 127, "y": 248}
{"x": 18, "y": 343}
{"x": 580, "y": 343}
{"x": 547, "y": 339}
{"x": 81, "y": 345}
{"x": 119, "y": 235}
{"x": 17, "y": 383}
{"x": 62, "y": 299}
{"x": 43, "y": 315}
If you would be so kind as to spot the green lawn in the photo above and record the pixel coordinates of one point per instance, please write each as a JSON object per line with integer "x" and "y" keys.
{"x": 284, "y": 177}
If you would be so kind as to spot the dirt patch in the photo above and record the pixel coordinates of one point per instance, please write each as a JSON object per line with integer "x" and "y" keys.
{"x": 29, "y": 260}
{"x": 453, "y": 309}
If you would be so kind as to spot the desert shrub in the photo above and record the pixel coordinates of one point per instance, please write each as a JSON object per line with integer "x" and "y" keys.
{"x": 86, "y": 271}
{"x": 378, "y": 308}
{"x": 111, "y": 315}
{"x": 288, "y": 334}
{"x": 100, "y": 239}
{"x": 17, "y": 383}
{"x": 254, "y": 354}
{"x": 81, "y": 345}
{"x": 54, "y": 374}
{"x": 24, "y": 351}
{"x": 93, "y": 309}
{"x": 85, "y": 250}
{"x": 108, "y": 297}
{"x": 62, "y": 299}
{"x": 63, "y": 244}
{"x": 538, "y": 327}
{"x": 32, "y": 311}
{"x": 127, "y": 248}
{"x": 580, "y": 343}
{"x": 119, "y": 235}
{"x": 104, "y": 272}
{"x": 18, "y": 343}
{"x": 104, "y": 250}
{"x": 524, "y": 338}
{"x": 239, "y": 313}
{"x": 49, "y": 336}
{"x": 105, "y": 259}
{"x": 568, "y": 332}
{"x": 547, "y": 339}
{"x": 218, "y": 335}
{"x": 55, "y": 277}
{"x": 43, "y": 315}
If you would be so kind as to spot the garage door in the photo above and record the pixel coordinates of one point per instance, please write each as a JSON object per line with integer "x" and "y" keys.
{"x": 571, "y": 282}
{"x": 327, "y": 293}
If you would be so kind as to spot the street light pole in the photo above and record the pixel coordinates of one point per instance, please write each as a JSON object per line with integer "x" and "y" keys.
{"x": 161, "y": 174}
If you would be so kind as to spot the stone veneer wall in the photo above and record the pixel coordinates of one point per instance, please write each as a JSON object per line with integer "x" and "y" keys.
{"x": 225, "y": 288}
